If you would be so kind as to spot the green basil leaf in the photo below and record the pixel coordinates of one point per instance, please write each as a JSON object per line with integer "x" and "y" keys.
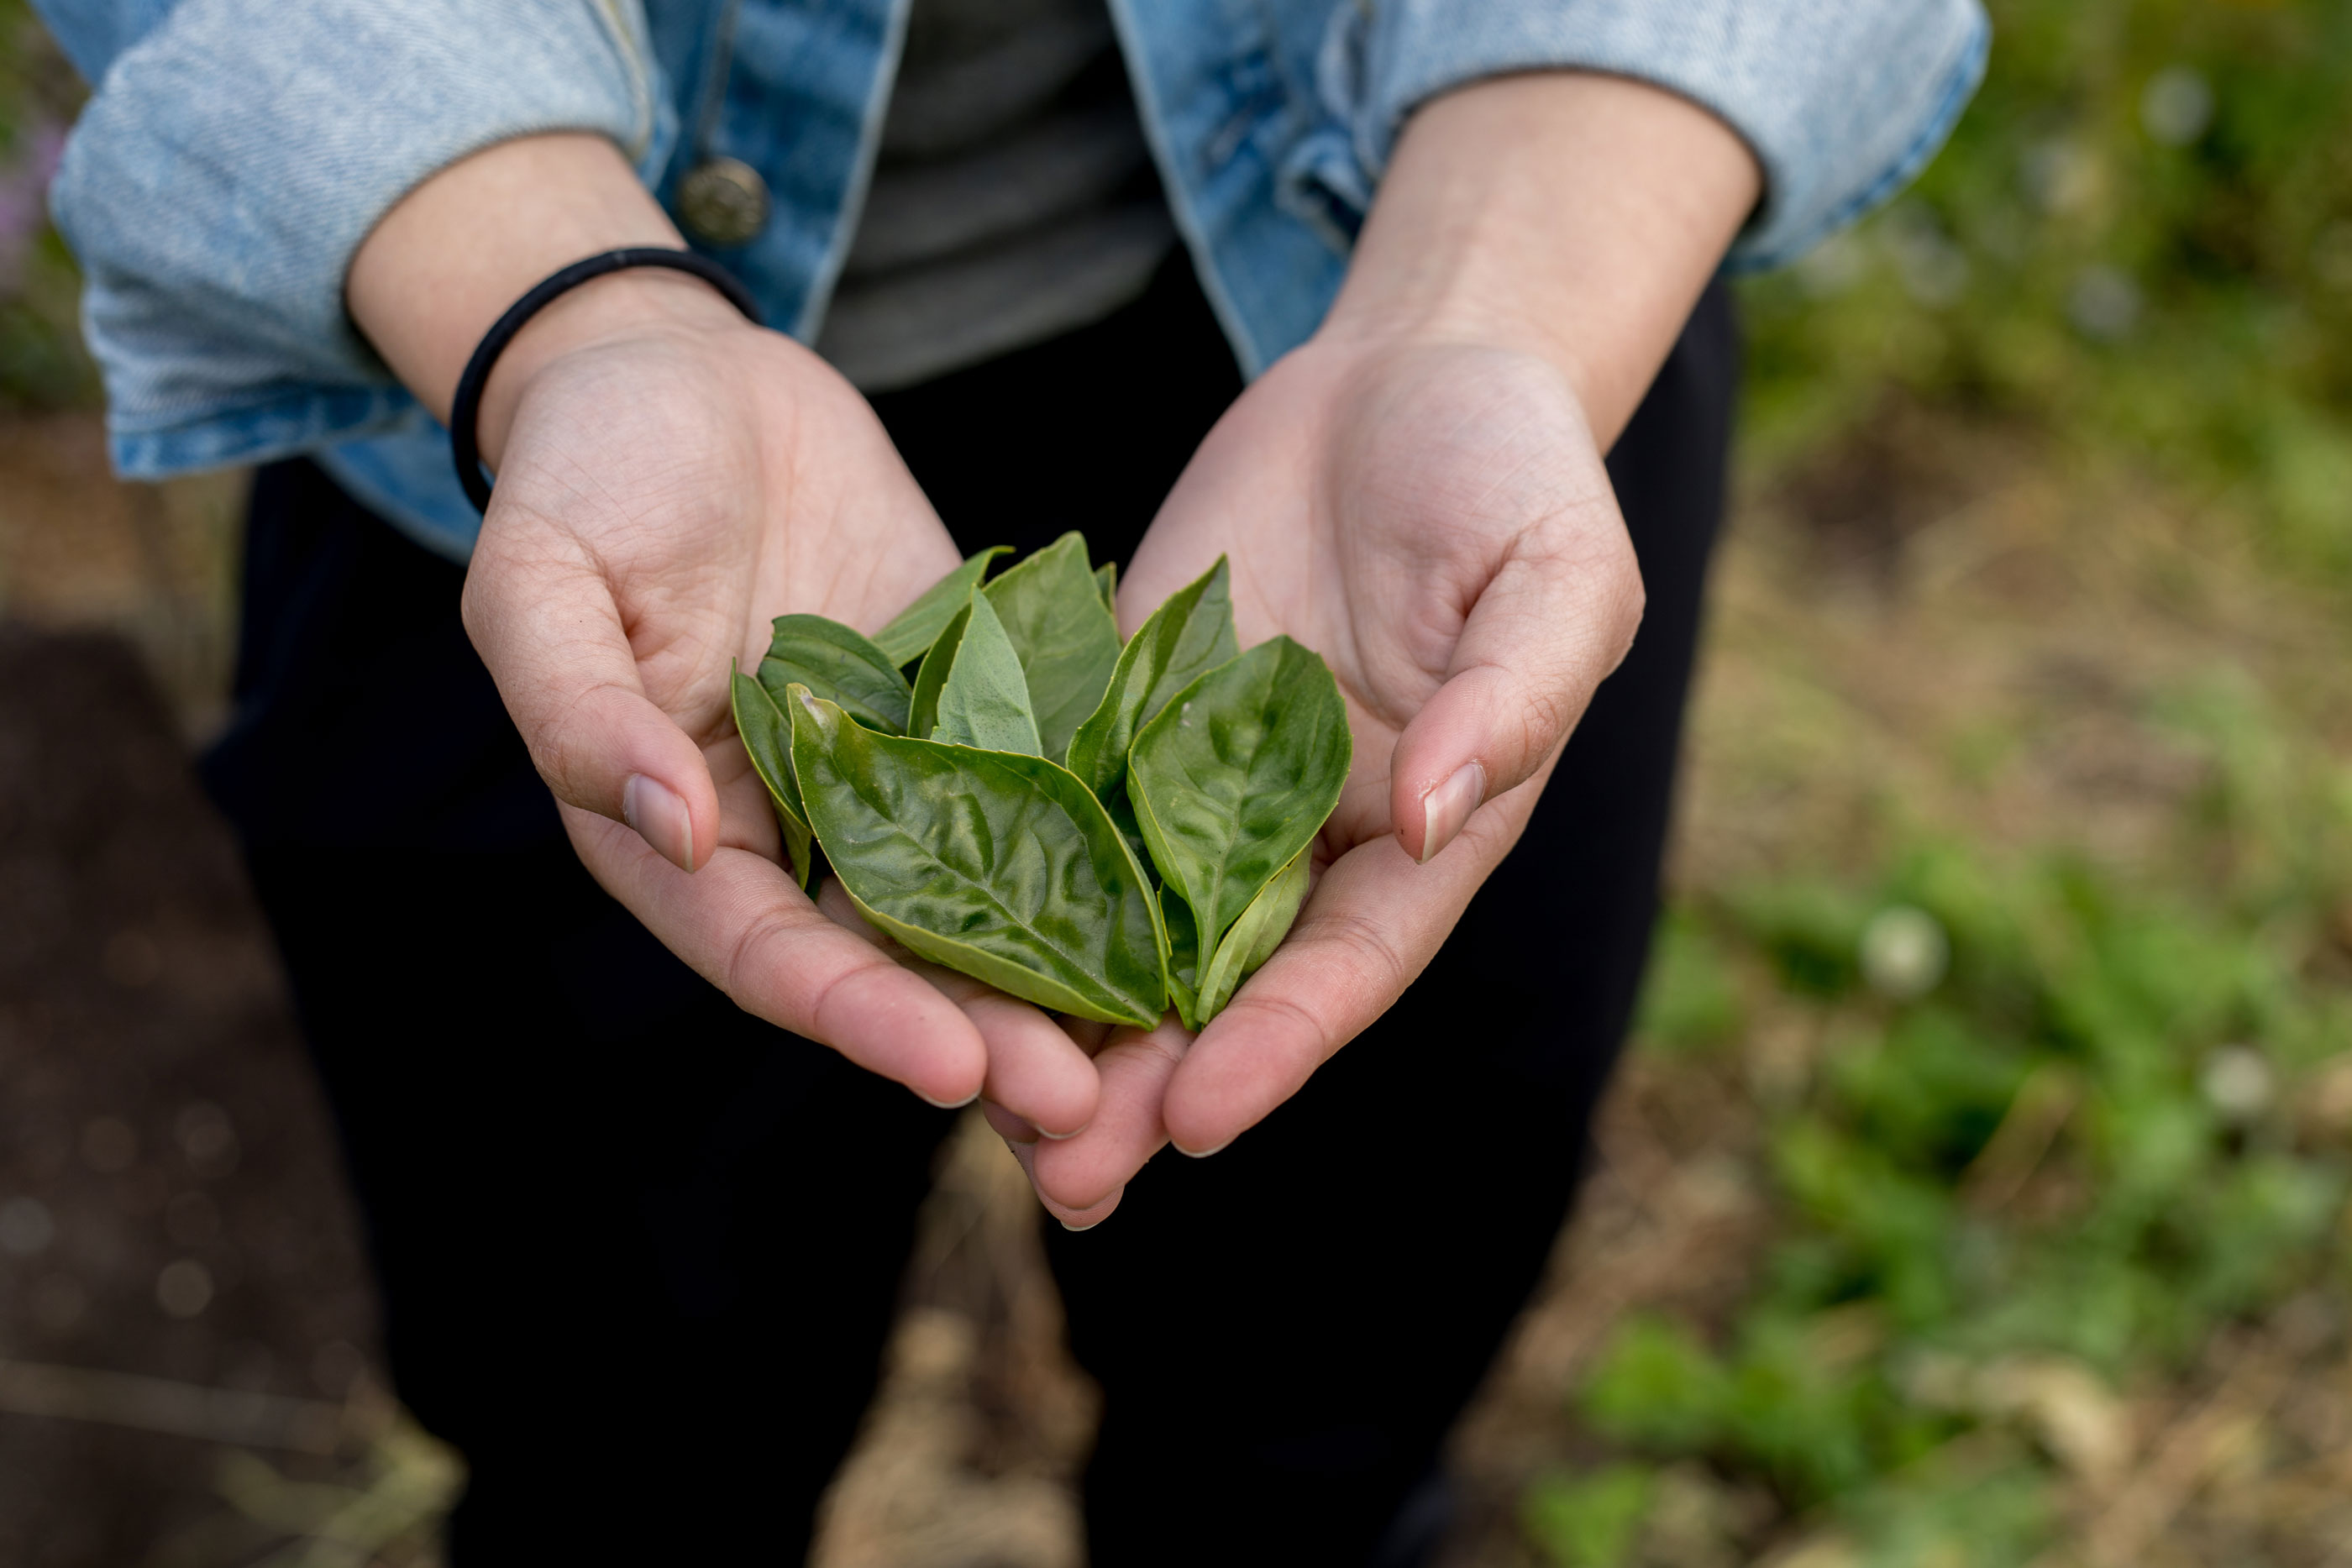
{"x": 1067, "y": 642}
{"x": 996, "y": 864}
{"x": 985, "y": 700}
{"x": 1189, "y": 635}
{"x": 767, "y": 737}
{"x": 1237, "y": 775}
{"x": 911, "y": 635}
{"x": 838, "y": 665}
{"x": 1183, "y": 956}
{"x": 923, "y": 710}
{"x": 1252, "y": 941}
{"x": 1107, "y": 578}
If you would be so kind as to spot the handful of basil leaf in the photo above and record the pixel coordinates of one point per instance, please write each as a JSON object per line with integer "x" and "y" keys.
{"x": 1101, "y": 829}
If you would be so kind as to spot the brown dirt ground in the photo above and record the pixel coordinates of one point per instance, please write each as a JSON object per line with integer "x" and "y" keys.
{"x": 1942, "y": 624}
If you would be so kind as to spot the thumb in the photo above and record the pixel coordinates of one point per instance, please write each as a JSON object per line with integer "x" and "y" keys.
{"x": 545, "y": 623}
{"x": 1557, "y": 616}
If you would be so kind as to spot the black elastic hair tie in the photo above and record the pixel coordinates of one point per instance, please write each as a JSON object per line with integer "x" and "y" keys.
{"x": 465, "y": 446}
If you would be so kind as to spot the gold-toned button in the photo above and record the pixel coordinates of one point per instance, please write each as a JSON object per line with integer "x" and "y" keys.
{"x": 722, "y": 202}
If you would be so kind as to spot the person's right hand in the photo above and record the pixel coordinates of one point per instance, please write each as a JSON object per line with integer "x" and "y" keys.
{"x": 670, "y": 478}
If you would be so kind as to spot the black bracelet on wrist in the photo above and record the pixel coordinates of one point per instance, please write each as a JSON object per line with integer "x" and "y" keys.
{"x": 465, "y": 409}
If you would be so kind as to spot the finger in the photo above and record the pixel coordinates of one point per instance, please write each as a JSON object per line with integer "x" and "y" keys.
{"x": 1070, "y": 1218}
{"x": 1553, "y": 620}
{"x": 1012, "y": 1129}
{"x": 542, "y": 617}
{"x": 1372, "y": 924}
{"x": 746, "y": 818}
{"x": 1036, "y": 1073}
{"x": 1085, "y": 1171}
{"x": 744, "y": 926}
{"x": 1089, "y": 1035}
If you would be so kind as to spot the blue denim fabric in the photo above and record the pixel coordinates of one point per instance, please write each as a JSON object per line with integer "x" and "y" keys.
{"x": 236, "y": 152}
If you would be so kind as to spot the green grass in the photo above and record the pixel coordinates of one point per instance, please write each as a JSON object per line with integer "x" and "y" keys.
{"x": 2084, "y": 1131}
{"x": 2170, "y": 1203}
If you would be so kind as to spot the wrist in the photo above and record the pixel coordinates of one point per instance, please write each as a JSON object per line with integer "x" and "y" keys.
{"x": 1461, "y": 317}
{"x": 632, "y": 304}
{"x": 1445, "y": 262}
{"x": 449, "y": 257}
{"x": 1572, "y": 217}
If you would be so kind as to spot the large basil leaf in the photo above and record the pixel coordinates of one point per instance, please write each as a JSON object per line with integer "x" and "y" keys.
{"x": 1236, "y": 776}
{"x": 1189, "y": 635}
{"x": 838, "y": 665}
{"x": 1068, "y": 642}
{"x": 996, "y": 864}
{"x": 767, "y": 737}
{"x": 923, "y": 711}
{"x": 911, "y": 635}
{"x": 985, "y": 699}
{"x": 1251, "y": 942}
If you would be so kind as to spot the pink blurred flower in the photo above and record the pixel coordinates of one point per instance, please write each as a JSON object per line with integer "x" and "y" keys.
{"x": 24, "y": 199}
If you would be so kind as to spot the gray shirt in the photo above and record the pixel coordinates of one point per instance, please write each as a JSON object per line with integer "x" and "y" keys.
{"x": 1013, "y": 199}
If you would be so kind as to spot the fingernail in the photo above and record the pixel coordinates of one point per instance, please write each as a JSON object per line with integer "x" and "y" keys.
{"x": 945, "y": 1105}
{"x": 1445, "y": 808}
{"x": 1075, "y": 1230}
{"x": 1057, "y": 1137}
{"x": 1200, "y": 1154}
{"x": 660, "y": 819}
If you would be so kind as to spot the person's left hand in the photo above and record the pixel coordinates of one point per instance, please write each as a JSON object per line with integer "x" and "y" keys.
{"x": 1434, "y": 518}
{"x": 1417, "y": 494}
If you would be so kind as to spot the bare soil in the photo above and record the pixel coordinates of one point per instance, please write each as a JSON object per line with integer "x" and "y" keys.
{"x": 171, "y": 1208}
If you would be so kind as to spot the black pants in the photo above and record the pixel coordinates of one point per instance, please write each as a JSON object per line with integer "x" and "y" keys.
{"x": 639, "y": 1251}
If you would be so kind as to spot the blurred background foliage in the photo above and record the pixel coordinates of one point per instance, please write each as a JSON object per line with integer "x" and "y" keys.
{"x": 2052, "y": 1142}
{"x": 42, "y": 363}
{"x": 2064, "y": 1132}
{"x": 2138, "y": 242}
{"x": 2019, "y": 1049}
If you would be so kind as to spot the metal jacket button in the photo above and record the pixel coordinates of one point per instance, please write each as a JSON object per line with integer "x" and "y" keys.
{"x": 722, "y": 202}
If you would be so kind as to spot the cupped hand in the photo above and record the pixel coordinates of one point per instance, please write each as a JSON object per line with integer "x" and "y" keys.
{"x": 670, "y": 479}
{"x": 1431, "y": 516}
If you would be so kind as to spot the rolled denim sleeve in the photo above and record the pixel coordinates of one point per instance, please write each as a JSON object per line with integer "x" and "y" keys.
{"x": 1841, "y": 100}
{"x": 236, "y": 152}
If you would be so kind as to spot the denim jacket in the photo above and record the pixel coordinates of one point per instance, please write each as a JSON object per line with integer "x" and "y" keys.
{"x": 236, "y": 152}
